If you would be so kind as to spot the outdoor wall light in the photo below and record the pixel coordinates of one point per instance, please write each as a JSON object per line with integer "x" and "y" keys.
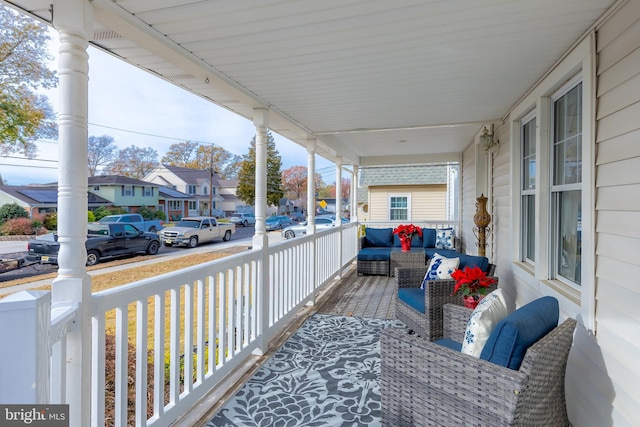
{"x": 486, "y": 139}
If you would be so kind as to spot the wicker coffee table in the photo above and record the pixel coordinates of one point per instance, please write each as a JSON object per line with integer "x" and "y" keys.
{"x": 413, "y": 258}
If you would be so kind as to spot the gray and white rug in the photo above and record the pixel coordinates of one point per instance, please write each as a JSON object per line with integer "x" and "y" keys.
{"x": 326, "y": 374}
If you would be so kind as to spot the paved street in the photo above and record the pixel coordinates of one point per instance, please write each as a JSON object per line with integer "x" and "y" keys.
{"x": 10, "y": 249}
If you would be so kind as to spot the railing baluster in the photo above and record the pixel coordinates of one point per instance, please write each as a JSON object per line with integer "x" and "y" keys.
{"x": 158, "y": 354}
{"x": 141, "y": 362}
{"x": 174, "y": 348}
{"x": 122, "y": 368}
{"x": 97, "y": 369}
{"x": 200, "y": 331}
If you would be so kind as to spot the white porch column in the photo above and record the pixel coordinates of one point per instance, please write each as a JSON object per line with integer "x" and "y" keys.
{"x": 338, "y": 191}
{"x": 311, "y": 211}
{"x": 339, "y": 208}
{"x": 73, "y": 20}
{"x": 354, "y": 194}
{"x": 311, "y": 185}
{"x": 261, "y": 122}
{"x": 260, "y": 238}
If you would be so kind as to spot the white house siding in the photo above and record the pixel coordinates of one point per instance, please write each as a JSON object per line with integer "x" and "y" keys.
{"x": 468, "y": 200}
{"x": 616, "y": 346}
{"x": 603, "y": 375}
{"x": 428, "y": 202}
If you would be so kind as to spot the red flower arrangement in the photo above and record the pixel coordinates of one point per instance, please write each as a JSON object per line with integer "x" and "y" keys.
{"x": 472, "y": 283}
{"x": 407, "y": 231}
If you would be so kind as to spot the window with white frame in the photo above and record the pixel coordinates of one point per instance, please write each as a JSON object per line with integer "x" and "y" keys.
{"x": 566, "y": 184}
{"x": 528, "y": 189}
{"x": 127, "y": 190}
{"x": 398, "y": 207}
{"x": 174, "y": 205}
{"x": 191, "y": 189}
{"x": 192, "y": 205}
{"x": 147, "y": 191}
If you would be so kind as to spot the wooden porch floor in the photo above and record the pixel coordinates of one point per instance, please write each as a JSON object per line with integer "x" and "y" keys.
{"x": 360, "y": 296}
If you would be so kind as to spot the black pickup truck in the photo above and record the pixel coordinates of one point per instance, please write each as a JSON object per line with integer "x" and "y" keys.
{"x": 104, "y": 240}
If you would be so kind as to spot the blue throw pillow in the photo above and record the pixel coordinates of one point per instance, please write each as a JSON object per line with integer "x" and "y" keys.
{"x": 514, "y": 334}
{"x": 379, "y": 236}
{"x": 429, "y": 237}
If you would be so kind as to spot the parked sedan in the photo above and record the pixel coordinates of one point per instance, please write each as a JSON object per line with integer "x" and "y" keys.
{"x": 301, "y": 229}
{"x": 277, "y": 222}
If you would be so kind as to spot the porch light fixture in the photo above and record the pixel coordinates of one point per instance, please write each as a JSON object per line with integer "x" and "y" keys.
{"x": 486, "y": 139}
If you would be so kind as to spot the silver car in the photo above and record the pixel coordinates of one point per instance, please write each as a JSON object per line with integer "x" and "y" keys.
{"x": 301, "y": 229}
{"x": 242, "y": 219}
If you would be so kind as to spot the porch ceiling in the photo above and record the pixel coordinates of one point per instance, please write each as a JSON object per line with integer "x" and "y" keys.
{"x": 377, "y": 82}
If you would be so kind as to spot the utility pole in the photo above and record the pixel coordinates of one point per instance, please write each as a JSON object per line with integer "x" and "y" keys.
{"x": 211, "y": 183}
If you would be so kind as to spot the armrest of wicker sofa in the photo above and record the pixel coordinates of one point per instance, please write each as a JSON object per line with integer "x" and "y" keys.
{"x": 410, "y": 277}
{"x": 454, "y": 323}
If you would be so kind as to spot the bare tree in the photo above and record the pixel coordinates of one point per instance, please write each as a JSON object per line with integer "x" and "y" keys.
{"x": 134, "y": 162}
{"x": 102, "y": 151}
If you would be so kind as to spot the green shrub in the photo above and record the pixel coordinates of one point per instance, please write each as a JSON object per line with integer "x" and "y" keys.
{"x": 91, "y": 217}
{"x": 146, "y": 212}
{"x": 117, "y": 211}
{"x": 51, "y": 221}
{"x": 11, "y": 211}
{"x": 160, "y": 215}
{"x": 100, "y": 212}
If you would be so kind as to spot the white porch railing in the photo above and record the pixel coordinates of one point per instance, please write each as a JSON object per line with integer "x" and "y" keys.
{"x": 175, "y": 336}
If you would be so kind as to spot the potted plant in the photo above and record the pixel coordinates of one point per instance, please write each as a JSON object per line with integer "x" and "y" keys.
{"x": 473, "y": 283}
{"x": 406, "y": 233}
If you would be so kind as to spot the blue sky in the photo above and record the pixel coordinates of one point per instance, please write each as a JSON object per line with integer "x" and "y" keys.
{"x": 137, "y": 108}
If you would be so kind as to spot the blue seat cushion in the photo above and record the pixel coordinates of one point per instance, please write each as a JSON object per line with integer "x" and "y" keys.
{"x": 514, "y": 334}
{"x": 416, "y": 242}
{"x": 474, "y": 261}
{"x": 378, "y": 237}
{"x": 449, "y": 343}
{"x": 413, "y": 297}
{"x": 374, "y": 254}
{"x": 429, "y": 237}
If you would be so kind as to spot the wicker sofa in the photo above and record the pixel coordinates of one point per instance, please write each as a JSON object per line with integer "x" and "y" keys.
{"x": 425, "y": 383}
{"x": 421, "y": 309}
{"x": 376, "y": 245}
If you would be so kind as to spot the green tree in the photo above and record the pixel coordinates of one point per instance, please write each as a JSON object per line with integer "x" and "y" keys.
{"x": 247, "y": 175}
{"x": 102, "y": 151}
{"x": 12, "y": 211}
{"x": 25, "y": 116}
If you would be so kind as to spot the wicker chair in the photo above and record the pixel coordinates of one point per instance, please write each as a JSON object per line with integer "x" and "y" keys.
{"x": 437, "y": 293}
{"x": 426, "y": 384}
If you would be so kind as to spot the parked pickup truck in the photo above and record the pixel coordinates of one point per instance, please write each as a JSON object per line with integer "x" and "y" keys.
{"x": 196, "y": 229}
{"x": 104, "y": 240}
{"x": 150, "y": 225}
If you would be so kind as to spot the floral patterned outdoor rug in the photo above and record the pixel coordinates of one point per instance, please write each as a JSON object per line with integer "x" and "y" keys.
{"x": 326, "y": 374}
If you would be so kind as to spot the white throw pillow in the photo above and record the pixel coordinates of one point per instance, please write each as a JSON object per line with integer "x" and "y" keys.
{"x": 491, "y": 309}
{"x": 444, "y": 238}
{"x": 440, "y": 268}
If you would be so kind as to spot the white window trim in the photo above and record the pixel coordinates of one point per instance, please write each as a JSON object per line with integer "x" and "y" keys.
{"x": 408, "y": 196}
{"x": 576, "y": 303}
{"x": 523, "y": 121}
